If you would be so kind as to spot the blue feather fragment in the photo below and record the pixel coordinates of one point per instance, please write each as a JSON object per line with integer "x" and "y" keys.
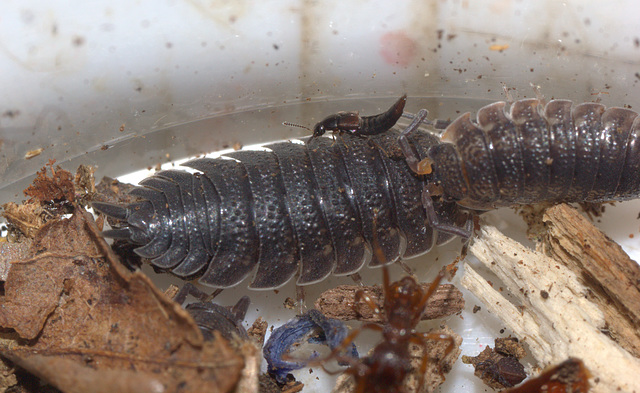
{"x": 313, "y": 328}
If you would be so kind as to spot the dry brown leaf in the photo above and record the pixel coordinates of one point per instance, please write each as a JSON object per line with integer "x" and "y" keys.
{"x": 81, "y": 310}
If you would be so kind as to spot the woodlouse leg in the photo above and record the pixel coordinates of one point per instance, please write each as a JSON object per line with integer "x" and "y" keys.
{"x": 406, "y": 268}
{"x": 539, "y": 95}
{"x": 435, "y": 223}
{"x": 410, "y": 155}
{"x": 357, "y": 278}
{"x": 437, "y": 124}
{"x": 190, "y": 289}
{"x": 507, "y": 94}
{"x": 300, "y": 296}
{"x": 377, "y": 145}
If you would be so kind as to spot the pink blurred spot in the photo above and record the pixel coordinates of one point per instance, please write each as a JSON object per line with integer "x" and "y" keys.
{"x": 396, "y": 48}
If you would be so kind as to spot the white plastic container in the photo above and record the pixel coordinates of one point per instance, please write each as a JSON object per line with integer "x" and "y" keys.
{"x": 127, "y": 85}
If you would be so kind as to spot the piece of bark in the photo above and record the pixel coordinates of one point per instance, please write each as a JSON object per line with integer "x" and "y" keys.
{"x": 24, "y": 220}
{"x": 499, "y": 368}
{"x": 561, "y": 324}
{"x": 338, "y": 303}
{"x": 79, "y": 307}
{"x": 602, "y": 265}
{"x": 438, "y": 362}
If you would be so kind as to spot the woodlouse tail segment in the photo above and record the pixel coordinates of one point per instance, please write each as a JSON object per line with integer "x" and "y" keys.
{"x": 122, "y": 234}
{"x": 111, "y": 210}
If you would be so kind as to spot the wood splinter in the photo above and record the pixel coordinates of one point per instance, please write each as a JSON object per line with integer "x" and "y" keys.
{"x": 556, "y": 319}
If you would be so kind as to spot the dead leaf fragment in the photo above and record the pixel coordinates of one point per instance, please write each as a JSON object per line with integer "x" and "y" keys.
{"x": 85, "y": 314}
{"x": 500, "y": 367}
{"x": 570, "y": 376}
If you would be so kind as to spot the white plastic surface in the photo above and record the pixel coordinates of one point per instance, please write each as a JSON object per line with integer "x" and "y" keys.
{"x": 79, "y": 77}
{"x": 127, "y": 85}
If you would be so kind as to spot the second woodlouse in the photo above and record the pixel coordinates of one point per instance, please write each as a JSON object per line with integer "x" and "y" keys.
{"x": 311, "y": 207}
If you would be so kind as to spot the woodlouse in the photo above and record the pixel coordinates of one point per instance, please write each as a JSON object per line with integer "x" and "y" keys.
{"x": 211, "y": 317}
{"x": 311, "y": 207}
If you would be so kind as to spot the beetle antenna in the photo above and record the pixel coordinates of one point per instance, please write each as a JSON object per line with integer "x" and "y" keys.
{"x": 289, "y": 124}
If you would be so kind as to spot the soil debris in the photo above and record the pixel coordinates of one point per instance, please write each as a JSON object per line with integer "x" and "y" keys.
{"x": 257, "y": 331}
{"x": 499, "y": 368}
{"x": 56, "y": 192}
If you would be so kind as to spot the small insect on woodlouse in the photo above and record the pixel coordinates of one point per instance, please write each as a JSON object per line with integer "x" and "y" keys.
{"x": 310, "y": 208}
{"x": 353, "y": 123}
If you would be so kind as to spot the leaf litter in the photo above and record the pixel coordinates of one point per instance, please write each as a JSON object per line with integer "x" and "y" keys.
{"x": 84, "y": 323}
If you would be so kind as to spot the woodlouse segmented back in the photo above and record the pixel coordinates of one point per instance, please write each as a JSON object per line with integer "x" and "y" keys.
{"x": 316, "y": 207}
{"x": 535, "y": 153}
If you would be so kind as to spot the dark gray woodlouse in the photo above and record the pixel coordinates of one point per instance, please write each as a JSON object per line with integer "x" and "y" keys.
{"x": 211, "y": 317}
{"x": 314, "y": 207}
